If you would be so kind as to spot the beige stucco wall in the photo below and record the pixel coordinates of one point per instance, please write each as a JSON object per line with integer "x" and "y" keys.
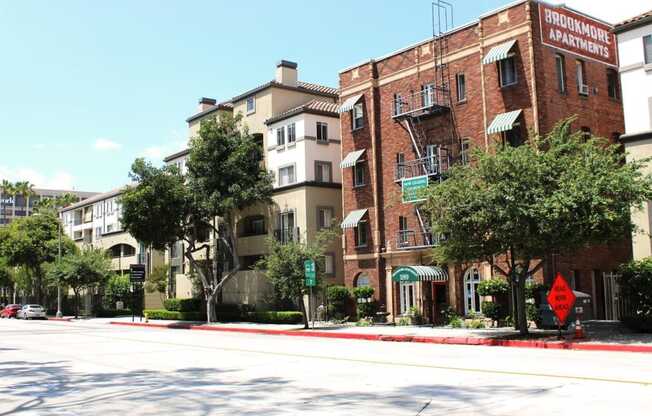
{"x": 248, "y": 287}
{"x": 193, "y": 126}
{"x": 641, "y": 242}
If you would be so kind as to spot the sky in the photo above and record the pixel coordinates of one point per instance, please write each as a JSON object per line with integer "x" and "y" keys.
{"x": 86, "y": 87}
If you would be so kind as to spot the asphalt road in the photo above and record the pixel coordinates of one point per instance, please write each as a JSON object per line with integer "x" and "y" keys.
{"x": 56, "y": 368}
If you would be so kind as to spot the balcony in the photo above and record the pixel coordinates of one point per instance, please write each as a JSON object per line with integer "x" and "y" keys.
{"x": 431, "y": 166}
{"x": 428, "y": 101}
{"x": 411, "y": 239}
{"x": 287, "y": 235}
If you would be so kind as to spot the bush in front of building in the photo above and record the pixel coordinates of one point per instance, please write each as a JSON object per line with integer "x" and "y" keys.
{"x": 494, "y": 311}
{"x": 182, "y": 305}
{"x": 112, "y": 313}
{"x": 338, "y": 298}
{"x": 275, "y": 317}
{"x": 635, "y": 283}
{"x": 157, "y": 314}
{"x": 366, "y": 305}
{"x": 265, "y": 317}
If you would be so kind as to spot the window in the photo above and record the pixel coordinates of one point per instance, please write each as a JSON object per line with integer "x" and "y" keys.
{"x": 286, "y": 175}
{"x": 427, "y": 95}
{"x": 580, "y": 75}
{"x": 280, "y": 136}
{"x": 471, "y": 295}
{"x": 286, "y": 231}
{"x": 647, "y": 49}
{"x": 323, "y": 171}
{"x": 612, "y": 84}
{"x": 357, "y": 117}
{"x": 251, "y": 104}
{"x": 358, "y": 175}
{"x": 253, "y": 225}
{"x": 362, "y": 280}
{"x": 398, "y": 104}
{"x": 403, "y": 237}
{"x": 109, "y": 228}
{"x": 465, "y": 156}
{"x": 329, "y": 264}
{"x": 360, "y": 234}
{"x": 324, "y": 217}
{"x": 586, "y": 133}
{"x": 322, "y": 131}
{"x": 98, "y": 233}
{"x": 461, "y": 87}
{"x": 560, "y": 64}
{"x": 513, "y": 137}
{"x": 507, "y": 71}
{"x": 401, "y": 169}
{"x": 292, "y": 133}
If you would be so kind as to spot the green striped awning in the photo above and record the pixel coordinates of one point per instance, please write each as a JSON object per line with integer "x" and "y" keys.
{"x": 354, "y": 217}
{"x": 499, "y": 52}
{"x": 503, "y": 122}
{"x": 420, "y": 274}
{"x": 351, "y": 159}
{"x": 349, "y": 103}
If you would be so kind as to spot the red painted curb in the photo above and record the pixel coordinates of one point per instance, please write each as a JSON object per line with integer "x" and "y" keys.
{"x": 60, "y": 319}
{"x": 493, "y": 342}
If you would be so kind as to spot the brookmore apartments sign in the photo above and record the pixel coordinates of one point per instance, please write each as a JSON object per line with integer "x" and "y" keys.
{"x": 565, "y": 29}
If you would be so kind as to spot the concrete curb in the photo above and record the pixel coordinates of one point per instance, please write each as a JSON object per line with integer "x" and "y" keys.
{"x": 493, "y": 342}
{"x": 55, "y": 319}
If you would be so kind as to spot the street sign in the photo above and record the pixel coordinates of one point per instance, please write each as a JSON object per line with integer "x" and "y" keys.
{"x": 561, "y": 298}
{"x": 137, "y": 273}
{"x": 412, "y": 188}
{"x": 310, "y": 273}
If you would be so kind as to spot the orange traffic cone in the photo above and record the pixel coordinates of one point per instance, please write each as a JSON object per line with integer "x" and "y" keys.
{"x": 579, "y": 331}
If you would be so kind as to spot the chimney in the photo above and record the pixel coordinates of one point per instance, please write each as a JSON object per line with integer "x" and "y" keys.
{"x": 205, "y": 103}
{"x": 286, "y": 73}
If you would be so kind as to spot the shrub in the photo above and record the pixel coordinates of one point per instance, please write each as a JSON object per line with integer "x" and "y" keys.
{"x": 366, "y": 306}
{"x": 448, "y": 313}
{"x": 493, "y": 310}
{"x": 174, "y": 315}
{"x": 367, "y": 309}
{"x": 456, "y": 322}
{"x": 476, "y": 324}
{"x": 182, "y": 305}
{"x": 112, "y": 313}
{"x": 363, "y": 292}
{"x": 493, "y": 287}
{"x": 533, "y": 290}
{"x": 276, "y": 317}
{"x": 638, "y": 323}
{"x": 337, "y": 297}
{"x": 117, "y": 289}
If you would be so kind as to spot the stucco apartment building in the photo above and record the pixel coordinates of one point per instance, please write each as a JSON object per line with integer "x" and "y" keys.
{"x": 407, "y": 116}
{"x": 18, "y": 206}
{"x": 95, "y": 222}
{"x": 297, "y": 125}
{"x": 635, "y": 52}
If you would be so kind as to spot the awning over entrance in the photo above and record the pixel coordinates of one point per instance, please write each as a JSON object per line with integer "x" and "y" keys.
{"x": 503, "y": 122}
{"x": 351, "y": 159}
{"x": 420, "y": 273}
{"x": 349, "y": 103}
{"x": 499, "y": 52}
{"x": 354, "y": 217}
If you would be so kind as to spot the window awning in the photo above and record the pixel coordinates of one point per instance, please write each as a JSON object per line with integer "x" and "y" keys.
{"x": 354, "y": 217}
{"x": 351, "y": 159}
{"x": 349, "y": 103}
{"x": 420, "y": 274}
{"x": 504, "y": 122}
{"x": 499, "y": 52}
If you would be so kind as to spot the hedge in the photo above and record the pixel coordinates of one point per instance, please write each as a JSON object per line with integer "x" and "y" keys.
{"x": 276, "y": 317}
{"x": 112, "y": 313}
{"x": 182, "y": 305}
{"x": 174, "y": 315}
{"x": 268, "y": 317}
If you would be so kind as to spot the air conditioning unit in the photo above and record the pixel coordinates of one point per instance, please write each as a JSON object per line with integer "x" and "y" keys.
{"x": 584, "y": 89}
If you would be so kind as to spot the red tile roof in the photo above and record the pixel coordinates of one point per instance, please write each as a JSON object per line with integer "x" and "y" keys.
{"x": 633, "y": 21}
{"x": 314, "y": 106}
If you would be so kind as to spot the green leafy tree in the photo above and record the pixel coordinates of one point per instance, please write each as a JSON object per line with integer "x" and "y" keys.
{"x": 556, "y": 193}
{"x": 284, "y": 266}
{"x": 87, "y": 269}
{"x": 6, "y": 279}
{"x": 53, "y": 205}
{"x": 157, "y": 281}
{"x": 30, "y": 243}
{"x": 225, "y": 174}
{"x": 117, "y": 289}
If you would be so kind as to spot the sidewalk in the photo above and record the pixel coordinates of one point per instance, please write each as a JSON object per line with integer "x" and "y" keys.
{"x": 600, "y": 336}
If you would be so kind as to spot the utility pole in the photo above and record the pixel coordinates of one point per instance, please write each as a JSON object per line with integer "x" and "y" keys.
{"x": 59, "y": 313}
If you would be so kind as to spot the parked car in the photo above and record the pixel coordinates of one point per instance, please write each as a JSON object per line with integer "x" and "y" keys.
{"x": 10, "y": 311}
{"x": 31, "y": 312}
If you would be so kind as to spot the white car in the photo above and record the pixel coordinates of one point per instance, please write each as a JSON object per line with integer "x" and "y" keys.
{"x": 31, "y": 312}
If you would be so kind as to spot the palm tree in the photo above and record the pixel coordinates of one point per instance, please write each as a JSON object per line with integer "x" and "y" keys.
{"x": 26, "y": 190}
{"x": 6, "y": 188}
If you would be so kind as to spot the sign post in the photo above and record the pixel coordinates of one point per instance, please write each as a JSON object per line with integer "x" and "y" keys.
{"x": 137, "y": 278}
{"x": 310, "y": 272}
{"x": 561, "y": 299}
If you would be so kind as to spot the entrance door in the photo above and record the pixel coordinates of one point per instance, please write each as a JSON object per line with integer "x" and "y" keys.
{"x": 471, "y": 296}
{"x": 611, "y": 309}
{"x": 407, "y": 292}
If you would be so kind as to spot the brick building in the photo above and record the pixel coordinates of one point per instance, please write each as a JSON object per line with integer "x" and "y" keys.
{"x": 407, "y": 116}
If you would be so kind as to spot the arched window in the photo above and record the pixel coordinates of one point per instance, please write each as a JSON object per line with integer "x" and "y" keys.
{"x": 471, "y": 297}
{"x": 122, "y": 250}
{"x": 362, "y": 280}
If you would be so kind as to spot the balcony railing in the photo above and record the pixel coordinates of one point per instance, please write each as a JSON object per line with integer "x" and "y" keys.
{"x": 287, "y": 235}
{"x": 430, "y": 166}
{"x": 427, "y": 100}
{"x": 411, "y": 239}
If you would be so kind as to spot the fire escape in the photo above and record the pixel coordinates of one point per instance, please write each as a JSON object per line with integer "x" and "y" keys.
{"x": 432, "y": 103}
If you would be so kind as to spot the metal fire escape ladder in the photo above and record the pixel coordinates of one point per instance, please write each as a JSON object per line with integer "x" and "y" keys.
{"x": 424, "y": 230}
{"x": 413, "y": 136}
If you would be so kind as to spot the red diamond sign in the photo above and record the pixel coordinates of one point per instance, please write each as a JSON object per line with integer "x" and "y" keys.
{"x": 561, "y": 298}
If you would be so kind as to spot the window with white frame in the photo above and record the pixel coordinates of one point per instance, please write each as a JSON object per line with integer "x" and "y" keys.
{"x": 580, "y": 76}
{"x": 286, "y": 175}
{"x": 647, "y": 49}
{"x": 360, "y": 234}
{"x": 613, "y": 89}
{"x": 280, "y": 136}
{"x": 323, "y": 171}
{"x": 507, "y": 71}
{"x": 251, "y": 104}
{"x": 465, "y": 155}
{"x": 357, "y": 117}
{"x": 398, "y": 104}
{"x": 560, "y": 65}
{"x": 292, "y": 133}
{"x": 358, "y": 174}
{"x": 98, "y": 233}
{"x": 322, "y": 131}
{"x": 324, "y": 217}
{"x": 461, "y": 87}
{"x": 427, "y": 95}
{"x": 329, "y": 264}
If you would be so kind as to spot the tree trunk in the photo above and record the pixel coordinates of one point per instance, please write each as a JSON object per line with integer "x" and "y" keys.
{"x": 76, "y": 304}
{"x": 302, "y": 305}
{"x": 210, "y": 310}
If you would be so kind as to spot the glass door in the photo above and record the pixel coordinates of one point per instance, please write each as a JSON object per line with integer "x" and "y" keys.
{"x": 407, "y": 294}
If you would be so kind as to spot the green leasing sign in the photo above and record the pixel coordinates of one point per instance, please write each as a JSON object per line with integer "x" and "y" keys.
{"x": 412, "y": 188}
{"x": 310, "y": 273}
